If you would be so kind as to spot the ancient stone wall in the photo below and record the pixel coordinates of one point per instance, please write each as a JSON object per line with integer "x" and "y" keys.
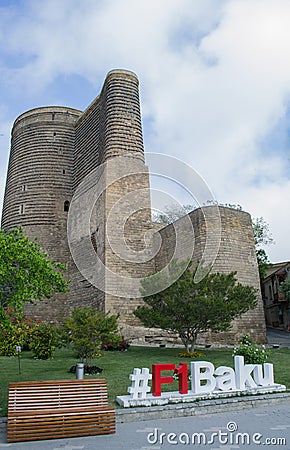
{"x": 236, "y": 252}
{"x": 128, "y": 254}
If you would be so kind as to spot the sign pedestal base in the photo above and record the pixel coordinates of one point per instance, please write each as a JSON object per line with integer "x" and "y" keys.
{"x": 175, "y": 397}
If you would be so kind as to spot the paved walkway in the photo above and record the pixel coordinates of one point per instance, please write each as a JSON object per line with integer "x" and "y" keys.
{"x": 255, "y": 428}
{"x": 278, "y": 337}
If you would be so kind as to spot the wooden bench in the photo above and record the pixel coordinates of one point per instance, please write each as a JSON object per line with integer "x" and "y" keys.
{"x": 58, "y": 409}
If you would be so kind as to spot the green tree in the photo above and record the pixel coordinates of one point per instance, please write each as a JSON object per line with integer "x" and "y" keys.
{"x": 87, "y": 328}
{"x": 262, "y": 237}
{"x": 188, "y": 308}
{"x": 263, "y": 262}
{"x": 171, "y": 213}
{"x": 262, "y": 234}
{"x": 26, "y": 272}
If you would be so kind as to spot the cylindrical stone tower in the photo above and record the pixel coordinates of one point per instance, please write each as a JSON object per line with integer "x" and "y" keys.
{"x": 39, "y": 188}
{"x": 123, "y": 130}
{"x": 40, "y": 175}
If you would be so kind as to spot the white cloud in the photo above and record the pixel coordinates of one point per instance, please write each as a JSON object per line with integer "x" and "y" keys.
{"x": 68, "y": 36}
{"x": 215, "y": 79}
{"x": 271, "y": 199}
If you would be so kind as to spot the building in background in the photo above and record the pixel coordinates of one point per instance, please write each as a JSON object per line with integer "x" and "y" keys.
{"x": 277, "y": 310}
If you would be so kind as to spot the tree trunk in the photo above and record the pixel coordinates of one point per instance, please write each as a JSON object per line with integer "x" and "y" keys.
{"x": 190, "y": 343}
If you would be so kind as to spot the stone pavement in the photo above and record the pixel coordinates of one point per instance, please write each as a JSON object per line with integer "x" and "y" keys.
{"x": 276, "y": 336}
{"x": 267, "y": 426}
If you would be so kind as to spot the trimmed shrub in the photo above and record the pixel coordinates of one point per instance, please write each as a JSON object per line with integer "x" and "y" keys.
{"x": 43, "y": 340}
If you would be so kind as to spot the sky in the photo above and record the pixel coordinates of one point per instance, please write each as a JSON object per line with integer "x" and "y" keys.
{"x": 214, "y": 84}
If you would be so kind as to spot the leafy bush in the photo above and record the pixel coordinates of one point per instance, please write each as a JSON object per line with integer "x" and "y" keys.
{"x": 43, "y": 340}
{"x": 252, "y": 353}
{"x": 118, "y": 344}
{"x": 14, "y": 331}
{"x": 17, "y": 330}
{"x": 9, "y": 339}
{"x": 87, "y": 328}
{"x": 246, "y": 340}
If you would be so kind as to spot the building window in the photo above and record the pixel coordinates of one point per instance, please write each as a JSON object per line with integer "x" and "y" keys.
{"x": 270, "y": 292}
{"x": 63, "y": 171}
{"x": 21, "y": 209}
{"x": 23, "y": 188}
{"x": 54, "y": 137}
{"x": 66, "y": 206}
{"x": 60, "y": 151}
{"x": 53, "y": 116}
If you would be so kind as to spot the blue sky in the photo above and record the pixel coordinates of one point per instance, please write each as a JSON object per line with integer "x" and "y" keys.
{"x": 214, "y": 84}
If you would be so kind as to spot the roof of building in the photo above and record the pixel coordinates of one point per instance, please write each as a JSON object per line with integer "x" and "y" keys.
{"x": 276, "y": 268}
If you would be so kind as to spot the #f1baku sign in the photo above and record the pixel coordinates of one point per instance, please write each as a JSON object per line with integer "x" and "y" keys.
{"x": 206, "y": 382}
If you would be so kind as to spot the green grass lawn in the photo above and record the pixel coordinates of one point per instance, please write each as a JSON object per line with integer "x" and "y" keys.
{"x": 117, "y": 367}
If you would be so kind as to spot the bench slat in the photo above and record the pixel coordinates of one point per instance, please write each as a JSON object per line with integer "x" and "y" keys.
{"x": 57, "y": 409}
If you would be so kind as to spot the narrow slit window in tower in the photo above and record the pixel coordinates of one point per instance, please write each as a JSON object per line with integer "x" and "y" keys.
{"x": 66, "y": 206}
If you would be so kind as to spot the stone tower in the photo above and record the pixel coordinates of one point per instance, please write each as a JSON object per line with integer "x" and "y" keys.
{"x": 39, "y": 185}
{"x": 109, "y": 155}
{"x": 53, "y": 150}
{"x": 77, "y": 181}
{"x": 40, "y": 175}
